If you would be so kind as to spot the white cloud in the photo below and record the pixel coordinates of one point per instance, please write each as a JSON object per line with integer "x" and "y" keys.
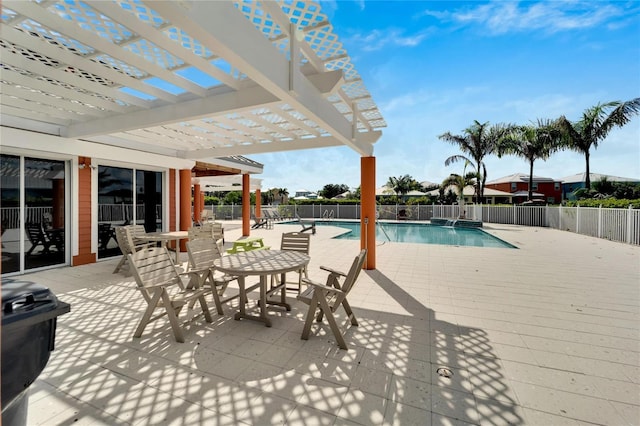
{"x": 390, "y": 37}
{"x": 548, "y": 16}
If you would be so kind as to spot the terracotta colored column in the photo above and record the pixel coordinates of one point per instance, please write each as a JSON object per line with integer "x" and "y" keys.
{"x": 197, "y": 204}
{"x": 84, "y": 215}
{"x": 185, "y": 204}
{"x": 368, "y": 215}
{"x": 258, "y": 204}
{"x": 246, "y": 205}
{"x": 201, "y": 203}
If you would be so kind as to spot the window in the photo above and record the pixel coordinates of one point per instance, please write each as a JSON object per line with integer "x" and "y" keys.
{"x": 119, "y": 204}
{"x": 556, "y": 186}
{"x": 535, "y": 186}
{"x": 33, "y": 189}
{"x": 514, "y": 186}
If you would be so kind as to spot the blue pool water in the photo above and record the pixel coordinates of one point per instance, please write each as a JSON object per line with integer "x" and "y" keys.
{"x": 423, "y": 234}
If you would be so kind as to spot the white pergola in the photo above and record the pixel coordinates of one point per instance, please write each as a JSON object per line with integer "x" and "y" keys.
{"x": 193, "y": 80}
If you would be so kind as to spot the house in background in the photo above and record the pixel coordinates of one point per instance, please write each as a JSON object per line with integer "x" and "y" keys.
{"x": 303, "y": 194}
{"x": 491, "y": 196}
{"x": 385, "y": 191}
{"x": 518, "y": 186}
{"x": 577, "y": 181}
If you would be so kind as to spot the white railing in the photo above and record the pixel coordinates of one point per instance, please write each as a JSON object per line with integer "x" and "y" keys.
{"x": 10, "y": 216}
{"x": 621, "y": 225}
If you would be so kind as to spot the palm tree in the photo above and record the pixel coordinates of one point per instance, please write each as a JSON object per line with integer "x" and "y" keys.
{"x": 532, "y": 142}
{"x": 460, "y": 182}
{"x": 477, "y": 141}
{"x": 282, "y": 193}
{"x": 595, "y": 125}
{"x": 401, "y": 185}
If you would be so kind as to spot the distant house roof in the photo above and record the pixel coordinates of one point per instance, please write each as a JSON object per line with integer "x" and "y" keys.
{"x": 581, "y": 177}
{"x": 471, "y": 190}
{"x": 385, "y": 190}
{"x": 526, "y": 194}
{"x": 520, "y": 177}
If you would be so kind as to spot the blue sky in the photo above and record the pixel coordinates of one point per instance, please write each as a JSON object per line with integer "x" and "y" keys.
{"x": 436, "y": 66}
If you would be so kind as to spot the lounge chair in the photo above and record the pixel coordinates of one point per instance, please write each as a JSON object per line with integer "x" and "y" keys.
{"x": 162, "y": 288}
{"x": 325, "y": 299}
{"x": 39, "y": 237}
{"x": 258, "y": 222}
{"x": 307, "y": 224}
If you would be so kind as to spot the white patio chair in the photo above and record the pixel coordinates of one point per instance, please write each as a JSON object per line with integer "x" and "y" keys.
{"x": 294, "y": 241}
{"x": 202, "y": 253}
{"x": 162, "y": 288}
{"x": 325, "y": 299}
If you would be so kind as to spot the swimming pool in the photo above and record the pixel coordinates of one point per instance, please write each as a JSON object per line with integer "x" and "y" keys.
{"x": 422, "y": 234}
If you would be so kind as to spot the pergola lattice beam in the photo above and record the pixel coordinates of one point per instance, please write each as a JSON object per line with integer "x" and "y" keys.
{"x": 233, "y": 37}
{"x": 277, "y": 146}
{"x": 225, "y": 103}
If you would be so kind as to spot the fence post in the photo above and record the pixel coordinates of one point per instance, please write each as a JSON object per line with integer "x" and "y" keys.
{"x": 577, "y": 218}
{"x": 546, "y": 215}
{"x": 629, "y": 222}
{"x": 514, "y": 214}
{"x": 560, "y": 217}
{"x": 600, "y": 221}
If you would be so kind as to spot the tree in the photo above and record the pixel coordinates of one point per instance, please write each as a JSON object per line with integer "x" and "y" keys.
{"x": 403, "y": 184}
{"x": 595, "y": 125}
{"x": 460, "y": 182}
{"x": 283, "y": 194}
{"x": 532, "y": 142}
{"x": 331, "y": 190}
{"x": 477, "y": 141}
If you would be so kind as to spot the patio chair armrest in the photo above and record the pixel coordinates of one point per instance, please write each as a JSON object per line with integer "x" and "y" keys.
{"x": 323, "y": 287}
{"x": 333, "y": 271}
{"x": 193, "y": 271}
{"x": 164, "y": 284}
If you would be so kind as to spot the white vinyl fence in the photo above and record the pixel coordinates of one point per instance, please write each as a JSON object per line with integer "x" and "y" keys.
{"x": 621, "y": 225}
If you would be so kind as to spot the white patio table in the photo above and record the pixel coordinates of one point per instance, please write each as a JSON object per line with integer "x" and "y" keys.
{"x": 262, "y": 263}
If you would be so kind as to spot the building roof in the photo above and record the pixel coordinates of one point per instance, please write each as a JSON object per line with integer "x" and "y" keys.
{"x": 195, "y": 80}
{"x": 581, "y": 177}
{"x": 520, "y": 177}
{"x": 471, "y": 191}
{"x": 385, "y": 190}
{"x": 526, "y": 194}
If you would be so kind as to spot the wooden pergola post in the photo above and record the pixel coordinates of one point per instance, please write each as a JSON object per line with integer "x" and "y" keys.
{"x": 368, "y": 214}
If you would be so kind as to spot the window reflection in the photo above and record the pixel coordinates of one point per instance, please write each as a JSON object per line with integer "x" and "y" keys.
{"x": 10, "y": 212}
{"x": 117, "y": 206}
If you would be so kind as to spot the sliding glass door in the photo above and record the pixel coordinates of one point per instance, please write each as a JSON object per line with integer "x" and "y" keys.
{"x": 33, "y": 213}
{"x": 117, "y": 204}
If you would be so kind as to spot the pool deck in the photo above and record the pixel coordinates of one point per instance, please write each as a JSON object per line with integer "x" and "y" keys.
{"x": 545, "y": 335}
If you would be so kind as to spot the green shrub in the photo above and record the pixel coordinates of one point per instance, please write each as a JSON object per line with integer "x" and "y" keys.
{"x": 609, "y": 203}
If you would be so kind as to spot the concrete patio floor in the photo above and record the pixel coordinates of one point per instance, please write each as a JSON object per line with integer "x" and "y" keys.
{"x": 548, "y": 334}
